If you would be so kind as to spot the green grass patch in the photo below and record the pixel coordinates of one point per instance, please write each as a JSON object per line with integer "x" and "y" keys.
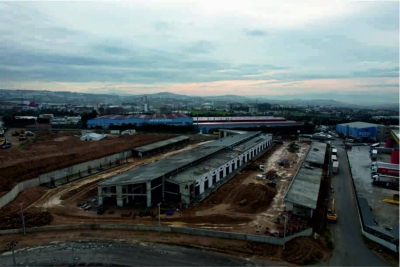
{"x": 327, "y": 234}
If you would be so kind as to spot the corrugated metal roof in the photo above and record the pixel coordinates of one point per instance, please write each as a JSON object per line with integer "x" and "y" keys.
{"x": 248, "y": 118}
{"x": 359, "y": 124}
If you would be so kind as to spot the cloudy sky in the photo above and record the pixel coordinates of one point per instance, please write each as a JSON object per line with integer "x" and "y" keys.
{"x": 260, "y": 48}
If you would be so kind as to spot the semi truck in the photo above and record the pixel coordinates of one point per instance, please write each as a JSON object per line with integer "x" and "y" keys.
{"x": 385, "y": 180}
{"x": 385, "y": 168}
{"x": 335, "y": 167}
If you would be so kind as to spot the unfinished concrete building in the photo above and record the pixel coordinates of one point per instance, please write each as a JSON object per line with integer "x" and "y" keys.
{"x": 159, "y": 146}
{"x": 185, "y": 176}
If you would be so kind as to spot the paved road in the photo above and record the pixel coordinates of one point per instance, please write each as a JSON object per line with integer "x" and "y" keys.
{"x": 350, "y": 249}
{"x": 119, "y": 254}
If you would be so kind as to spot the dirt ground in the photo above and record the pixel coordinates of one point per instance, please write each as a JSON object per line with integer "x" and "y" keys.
{"x": 245, "y": 204}
{"x": 267, "y": 254}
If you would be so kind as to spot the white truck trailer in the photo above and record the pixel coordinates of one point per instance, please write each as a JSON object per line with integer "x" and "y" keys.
{"x": 335, "y": 167}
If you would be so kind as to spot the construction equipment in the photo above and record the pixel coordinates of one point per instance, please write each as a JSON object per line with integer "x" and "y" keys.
{"x": 394, "y": 200}
{"x": 331, "y": 215}
{"x": 18, "y": 132}
{"x": 23, "y": 137}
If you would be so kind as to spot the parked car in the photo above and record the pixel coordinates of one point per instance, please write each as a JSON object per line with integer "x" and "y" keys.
{"x": 101, "y": 210}
{"x": 29, "y": 133}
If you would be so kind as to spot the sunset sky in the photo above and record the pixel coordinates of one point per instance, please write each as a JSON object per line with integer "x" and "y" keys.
{"x": 203, "y": 48}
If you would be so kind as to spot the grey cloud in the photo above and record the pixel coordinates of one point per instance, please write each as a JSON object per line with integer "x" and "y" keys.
{"x": 201, "y": 47}
{"x": 255, "y": 32}
{"x": 161, "y": 25}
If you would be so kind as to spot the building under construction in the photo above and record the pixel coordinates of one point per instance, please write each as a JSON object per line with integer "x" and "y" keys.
{"x": 188, "y": 175}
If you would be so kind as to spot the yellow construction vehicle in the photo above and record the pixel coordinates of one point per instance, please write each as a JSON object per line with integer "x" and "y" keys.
{"x": 18, "y": 132}
{"x": 331, "y": 215}
{"x": 394, "y": 200}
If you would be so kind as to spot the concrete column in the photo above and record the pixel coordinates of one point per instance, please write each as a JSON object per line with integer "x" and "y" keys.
{"x": 230, "y": 167}
{"x": 236, "y": 164}
{"x": 148, "y": 193}
{"x": 223, "y": 173}
{"x": 100, "y": 195}
{"x": 218, "y": 178}
{"x": 201, "y": 186}
{"x": 120, "y": 202}
{"x": 185, "y": 193}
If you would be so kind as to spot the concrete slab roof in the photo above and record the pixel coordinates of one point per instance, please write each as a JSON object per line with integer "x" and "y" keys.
{"x": 316, "y": 154}
{"x": 304, "y": 189}
{"x": 168, "y": 165}
{"x": 232, "y": 139}
{"x": 160, "y": 144}
{"x": 359, "y": 124}
{"x": 193, "y": 173}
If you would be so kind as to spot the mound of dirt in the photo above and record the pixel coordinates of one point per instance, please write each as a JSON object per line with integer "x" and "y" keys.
{"x": 250, "y": 198}
{"x": 32, "y": 219}
{"x": 305, "y": 251}
{"x": 253, "y": 198}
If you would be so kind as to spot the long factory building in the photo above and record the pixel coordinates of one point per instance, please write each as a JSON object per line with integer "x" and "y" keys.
{"x": 187, "y": 175}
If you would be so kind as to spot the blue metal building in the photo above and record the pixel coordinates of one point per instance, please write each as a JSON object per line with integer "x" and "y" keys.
{"x": 358, "y": 130}
{"x": 104, "y": 122}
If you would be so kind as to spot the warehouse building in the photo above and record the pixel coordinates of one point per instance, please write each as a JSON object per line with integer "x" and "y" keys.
{"x": 359, "y": 131}
{"x": 157, "y": 147}
{"x": 206, "y": 124}
{"x": 187, "y": 175}
{"x": 105, "y": 121}
{"x": 302, "y": 195}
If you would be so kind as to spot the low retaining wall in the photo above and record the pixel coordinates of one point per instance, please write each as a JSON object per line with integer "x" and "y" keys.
{"x": 181, "y": 230}
{"x": 66, "y": 175}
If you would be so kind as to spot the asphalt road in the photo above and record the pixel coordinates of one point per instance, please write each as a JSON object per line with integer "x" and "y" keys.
{"x": 119, "y": 254}
{"x": 349, "y": 248}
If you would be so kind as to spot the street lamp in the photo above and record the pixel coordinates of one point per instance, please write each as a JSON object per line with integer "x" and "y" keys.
{"x": 23, "y": 219}
{"x": 11, "y": 246}
{"x": 284, "y": 232}
{"x": 159, "y": 219}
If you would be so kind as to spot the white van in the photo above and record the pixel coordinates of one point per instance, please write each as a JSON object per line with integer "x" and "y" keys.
{"x": 334, "y": 158}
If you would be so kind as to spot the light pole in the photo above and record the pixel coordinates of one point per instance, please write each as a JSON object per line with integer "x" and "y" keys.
{"x": 23, "y": 219}
{"x": 11, "y": 246}
{"x": 284, "y": 233}
{"x": 159, "y": 219}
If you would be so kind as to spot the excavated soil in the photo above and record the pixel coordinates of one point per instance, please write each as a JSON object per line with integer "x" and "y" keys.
{"x": 250, "y": 198}
{"x": 49, "y": 151}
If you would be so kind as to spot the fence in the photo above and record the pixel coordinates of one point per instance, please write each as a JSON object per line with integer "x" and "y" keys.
{"x": 67, "y": 174}
{"x": 180, "y": 230}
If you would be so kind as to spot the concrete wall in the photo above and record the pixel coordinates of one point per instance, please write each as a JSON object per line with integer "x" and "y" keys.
{"x": 181, "y": 230}
{"x": 13, "y": 193}
{"x": 64, "y": 175}
{"x": 83, "y": 168}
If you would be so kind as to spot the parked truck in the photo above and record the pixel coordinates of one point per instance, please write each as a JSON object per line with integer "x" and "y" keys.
{"x": 385, "y": 180}
{"x": 335, "y": 167}
{"x": 385, "y": 168}
{"x": 374, "y": 154}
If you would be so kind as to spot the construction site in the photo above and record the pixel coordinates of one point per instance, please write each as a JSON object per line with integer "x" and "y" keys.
{"x": 251, "y": 200}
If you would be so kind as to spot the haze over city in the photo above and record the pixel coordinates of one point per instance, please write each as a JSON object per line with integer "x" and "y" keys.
{"x": 343, "y": 50}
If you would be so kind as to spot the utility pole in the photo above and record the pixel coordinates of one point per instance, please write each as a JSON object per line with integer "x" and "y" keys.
{"x": 159, "y": 219}
{"x": 284, "y": 233}
{"x": 23, "y": 219}
{"x": 10, "y": 246}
